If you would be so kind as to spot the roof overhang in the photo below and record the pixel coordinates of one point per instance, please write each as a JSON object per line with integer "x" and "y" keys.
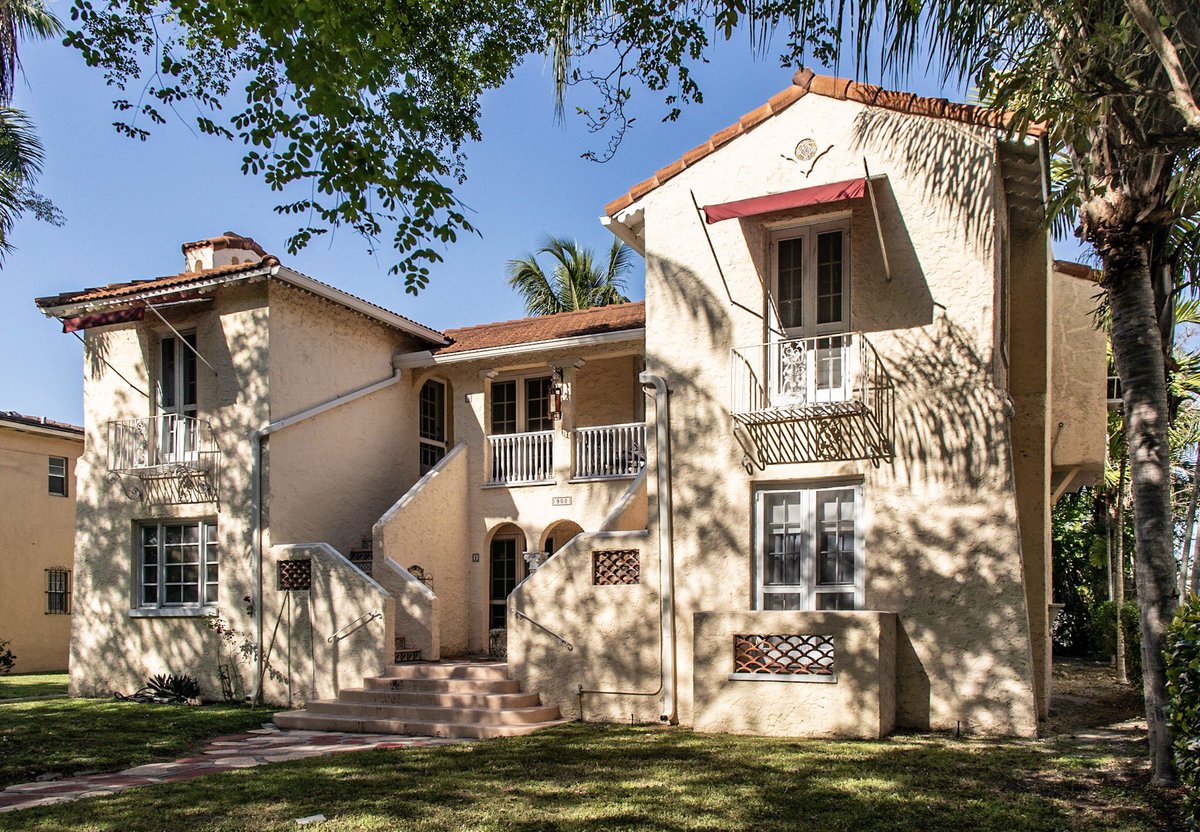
{"x": 43, "y": 430}
{"x": 787, "y": 200}
{"x": 426, "y": 358}
{"x": 357, "y": 304}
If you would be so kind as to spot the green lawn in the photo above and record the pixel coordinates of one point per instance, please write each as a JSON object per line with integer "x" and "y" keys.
{"x": 579, "y": 777}
{"x": 73, "y": 735}
{"x": 19, "y": 685}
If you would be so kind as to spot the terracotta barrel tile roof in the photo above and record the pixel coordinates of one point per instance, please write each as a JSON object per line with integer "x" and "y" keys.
{"x": 806, "y": 81}
{"x": 38, "y": 422}
{"x": 230, "y": 239}
{"x": 602, "y": 319}
{"x": 133, "y": 287}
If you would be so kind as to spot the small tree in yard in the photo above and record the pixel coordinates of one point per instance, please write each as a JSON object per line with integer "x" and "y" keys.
{"x": 7, "y": 657}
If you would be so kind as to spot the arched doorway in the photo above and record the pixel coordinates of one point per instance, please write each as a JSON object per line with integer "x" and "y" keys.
{"x": 506, "y": 569}
{"x": 559, "y": 534}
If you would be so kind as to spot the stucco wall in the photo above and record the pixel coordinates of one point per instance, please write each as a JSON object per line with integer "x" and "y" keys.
{"x": 112, "y": 648}
{"x": 332, "y": 636}
{"x": 615, "y": 651}
{"x": 428, "y": 527}
{"x": 1079, "y": 375}
{"x": 859, "y": 703}
{"x": 333, "y": 475}
{"x": 606, "y": 392}
{"x": 37, "y": 532}
{"x": 942, "y": 547}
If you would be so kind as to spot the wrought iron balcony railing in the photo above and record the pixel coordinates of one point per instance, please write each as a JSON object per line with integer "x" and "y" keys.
{"x": 825, "y": 398}
{"x": 174, "y": 458}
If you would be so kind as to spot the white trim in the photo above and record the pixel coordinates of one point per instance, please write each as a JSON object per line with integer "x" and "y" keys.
{"x": 807, "y": 588}
{"x": 363, "y": 307}
{"x": 174, "y": 612}
{"x": 427, "y": 359}
{"x": 809, "y": 231}
{"x": 48, "y": 430}
{"x": 624, "y": 233}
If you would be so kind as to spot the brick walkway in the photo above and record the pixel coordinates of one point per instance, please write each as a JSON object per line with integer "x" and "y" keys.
{"x": 253, "y": 748}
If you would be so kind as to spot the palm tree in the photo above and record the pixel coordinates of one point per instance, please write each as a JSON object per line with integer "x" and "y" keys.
{"x": 21, "y": 153}
{"x": 576, "y": 281}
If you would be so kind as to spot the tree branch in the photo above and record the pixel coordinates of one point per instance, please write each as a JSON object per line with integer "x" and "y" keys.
{"x": 1182, "y": 96}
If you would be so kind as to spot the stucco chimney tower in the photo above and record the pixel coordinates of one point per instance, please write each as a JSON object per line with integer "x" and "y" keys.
{"x": 230, "y": 249}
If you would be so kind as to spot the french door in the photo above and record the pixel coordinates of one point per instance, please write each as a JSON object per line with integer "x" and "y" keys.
{"x": 812, "y": 360}
{"x": 506, "y": 570}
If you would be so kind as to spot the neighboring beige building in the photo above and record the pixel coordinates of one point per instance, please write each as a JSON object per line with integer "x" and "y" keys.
{"x": 803, "y": 489}
{"x": 37, "y": 538}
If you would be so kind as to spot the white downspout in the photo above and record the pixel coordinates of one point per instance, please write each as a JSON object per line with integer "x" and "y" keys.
{"x": 256, "y": 498}
{"x": 666, "y": 552}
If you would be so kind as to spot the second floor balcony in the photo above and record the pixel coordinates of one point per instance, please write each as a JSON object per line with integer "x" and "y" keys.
{"x": 166, "y": 459}
{"x": 820, "y": 399}
{"x": 605, "y": 452}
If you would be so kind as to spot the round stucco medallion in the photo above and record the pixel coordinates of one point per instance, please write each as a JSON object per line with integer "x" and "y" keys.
{"x": 806, "y": 149}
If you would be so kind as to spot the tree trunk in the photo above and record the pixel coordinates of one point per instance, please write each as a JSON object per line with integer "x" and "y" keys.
{"x": 1189, "y": 525}
{"x": 1138, "y": 352}
{"x": 1119, "y": 576}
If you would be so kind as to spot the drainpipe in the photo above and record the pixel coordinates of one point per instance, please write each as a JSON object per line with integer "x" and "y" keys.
{"x": 260, "y": 437}
{"x": 666, "y": 552}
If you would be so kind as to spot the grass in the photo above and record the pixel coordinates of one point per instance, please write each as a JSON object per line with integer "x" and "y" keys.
{"x": 69, "y": 736}
{"x": 588, "y": 777}
{"x": 19, "y": 685}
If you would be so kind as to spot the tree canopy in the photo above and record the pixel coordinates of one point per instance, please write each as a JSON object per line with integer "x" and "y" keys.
{"x": 576, "y": 281}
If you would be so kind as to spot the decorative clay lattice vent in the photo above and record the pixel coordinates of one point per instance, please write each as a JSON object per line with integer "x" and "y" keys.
{"x": 295, "y": 575}
{"x": 616, "y": 567}
{"x": 783, "y": 655}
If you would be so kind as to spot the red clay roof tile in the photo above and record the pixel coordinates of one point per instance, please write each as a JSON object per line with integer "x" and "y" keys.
{"x": 806, "y": 81}
{"x": 133, "y": 287}
{"x": 614, "y": 318}
{"x": 38, "y": 422}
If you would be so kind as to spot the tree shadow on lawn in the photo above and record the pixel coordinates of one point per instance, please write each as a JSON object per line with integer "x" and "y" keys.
{"x": 614, "y": 777}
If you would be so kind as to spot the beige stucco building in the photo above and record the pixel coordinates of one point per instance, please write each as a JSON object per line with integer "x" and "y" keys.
{"x": 803, "y": 489}
{"x": 37, "y": 538}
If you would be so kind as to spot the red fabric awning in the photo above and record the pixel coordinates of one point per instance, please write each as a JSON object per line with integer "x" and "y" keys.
{"x": 121, "y": 316}
{"x": 816, "y": 195}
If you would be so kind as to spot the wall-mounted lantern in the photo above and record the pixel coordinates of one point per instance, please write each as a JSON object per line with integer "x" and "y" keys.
{"x": 556, "y": 391}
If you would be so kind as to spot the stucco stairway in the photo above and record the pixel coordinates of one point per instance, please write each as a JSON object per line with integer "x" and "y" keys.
{"x": 438, "y": 699}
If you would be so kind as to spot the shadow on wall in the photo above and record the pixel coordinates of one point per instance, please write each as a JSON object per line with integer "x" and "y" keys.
{"x": 945, "y": 156}
{"x": 942, "y": 545}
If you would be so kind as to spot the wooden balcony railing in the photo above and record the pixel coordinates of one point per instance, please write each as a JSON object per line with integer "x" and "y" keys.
{"x": 515, "y": 458}
{"x": 610, "y": 451}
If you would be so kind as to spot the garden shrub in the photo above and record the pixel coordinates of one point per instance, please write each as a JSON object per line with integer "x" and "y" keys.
{"x": 1104, "y": 632}
{"x": 1183, "y": 709}
{"x": 7, "y": 657}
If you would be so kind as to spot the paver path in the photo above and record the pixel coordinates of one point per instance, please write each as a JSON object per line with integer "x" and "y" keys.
{"x": 253, "y": 748}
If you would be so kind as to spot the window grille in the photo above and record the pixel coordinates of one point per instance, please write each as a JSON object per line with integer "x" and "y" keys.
{"x": 616, "y": 567}
{"x": 295, "y": 575}
{"x": 58, "y": 592}
{"x": 783, "y": 655}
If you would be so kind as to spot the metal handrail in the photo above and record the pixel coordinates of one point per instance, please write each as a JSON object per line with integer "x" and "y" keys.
{"x": 544, "y": 629}
{"x": 355, "y": 625}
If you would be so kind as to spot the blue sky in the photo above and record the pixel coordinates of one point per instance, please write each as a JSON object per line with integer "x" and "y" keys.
{"x": 129, "y": 204}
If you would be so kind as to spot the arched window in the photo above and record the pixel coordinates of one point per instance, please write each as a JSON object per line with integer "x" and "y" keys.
{"x": 431, "y": 423}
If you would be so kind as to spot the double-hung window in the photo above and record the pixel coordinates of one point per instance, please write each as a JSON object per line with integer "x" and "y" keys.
{"x": 808, "y": 549}
{"x": 432, "y": 424}
{"x": 58, "y": 475}
{"x": 177, "y": 435}
{"x": 178, "y": 564}
{"x": 521, "y": 405}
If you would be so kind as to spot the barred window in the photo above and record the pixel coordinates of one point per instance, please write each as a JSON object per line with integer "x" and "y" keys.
{"x": 58, "y": 475}
{"x": 58, "y": 592}
{"x": 178, "y": 564}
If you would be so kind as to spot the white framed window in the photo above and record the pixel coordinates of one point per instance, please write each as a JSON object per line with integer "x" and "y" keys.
{"x": 431, "y": 423}
{"x": 57, "y": 471}
{"x": 808, "y": 548}
{"x": 810, "y": 278}
{"x": 177, "y": 398}
{"x": 521, "y": 404}
{"x": 178, "y": 564}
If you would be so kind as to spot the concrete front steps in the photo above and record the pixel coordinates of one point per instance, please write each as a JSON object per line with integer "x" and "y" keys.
{"x": 438, "y": 699}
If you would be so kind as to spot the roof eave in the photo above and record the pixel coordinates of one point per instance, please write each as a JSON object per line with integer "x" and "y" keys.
{"x": 429, "y": 359}
{"x": 69, "y": 308}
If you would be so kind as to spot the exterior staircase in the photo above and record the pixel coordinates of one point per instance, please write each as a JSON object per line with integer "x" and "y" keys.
{"x": 362, "y": 555}
{"x": 438, "y": 699}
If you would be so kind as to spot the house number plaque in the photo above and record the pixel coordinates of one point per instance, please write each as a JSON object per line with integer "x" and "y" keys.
{"x": 561, "y": 501}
